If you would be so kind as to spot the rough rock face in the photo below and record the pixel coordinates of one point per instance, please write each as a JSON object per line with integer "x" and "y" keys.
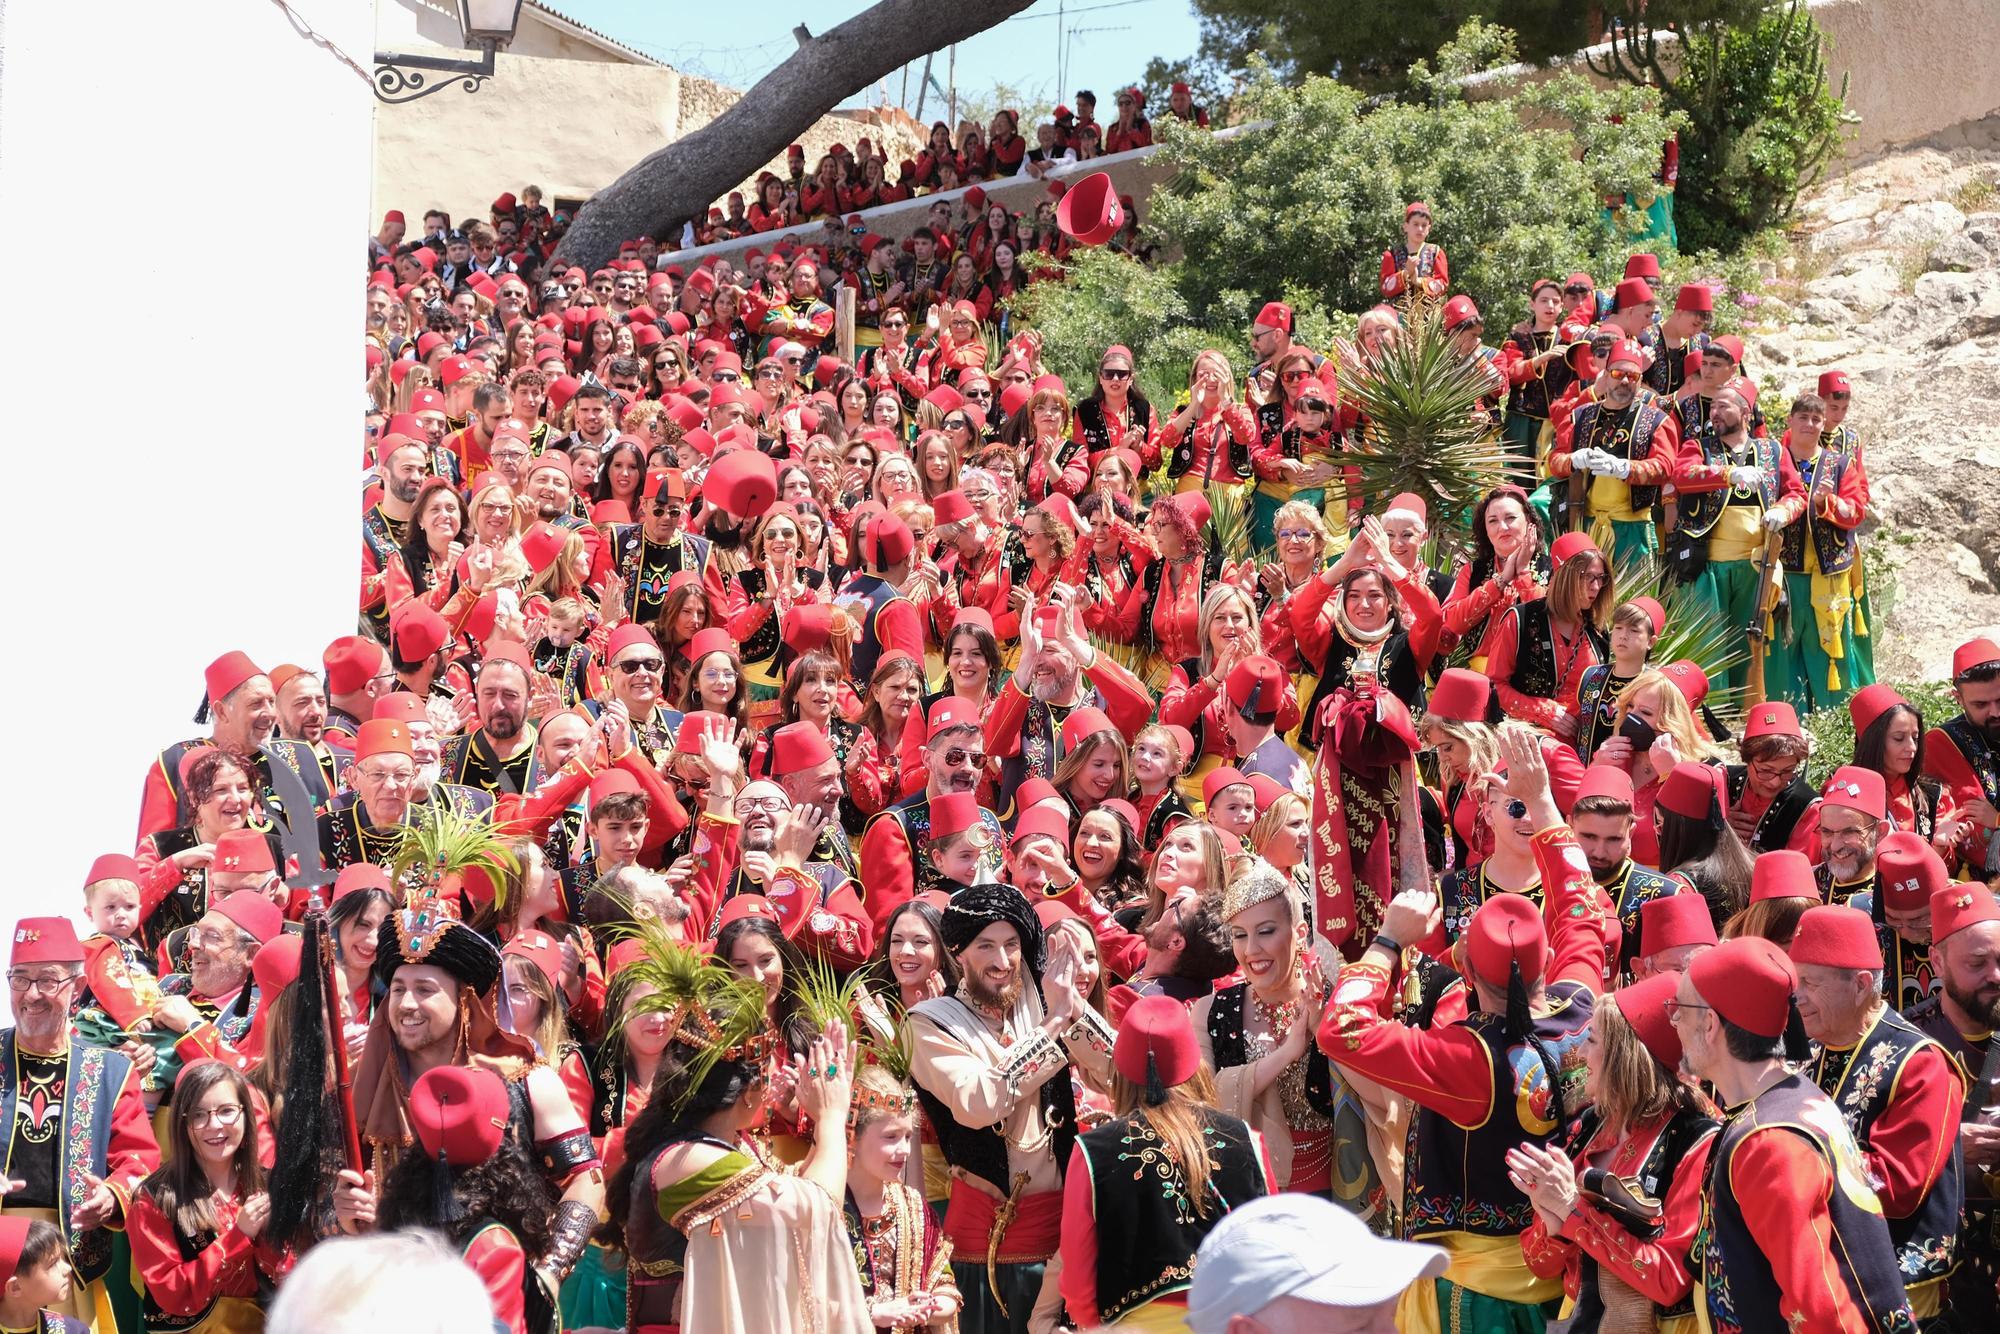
{"x": 1897, "y": 282}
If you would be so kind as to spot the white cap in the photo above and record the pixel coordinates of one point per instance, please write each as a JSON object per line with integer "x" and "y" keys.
{"x": 1299, "y": 1246}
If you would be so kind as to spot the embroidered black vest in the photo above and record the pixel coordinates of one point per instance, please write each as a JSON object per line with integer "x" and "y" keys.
{"x": 1041, "y": 745}
{"x": 1655, "y": 1177}
{"x": 1225, "y": 1037}
{"x": 1455, "y": 1177}
{"x": 1632, "y": 889}
{"x": 1532, "y": 397}
{"x": 1461, "y": 892}
{"x": 1834, "y": 545}
{"x": 913, "y": 815}
{"x": 1977, "y": 752}
{"x": 982, "y": 1150}
{"x": 765, "y": 641}
{"x": 1669, "y": 369}
{"x": 1735, "y": 1277}
{"x": 1095, "y": 431}
{"x": 1170, "y": 807}
{"x": 1232, "y": 467}
{"x": 1781, "y": 817}
{"x": 873, "y": 594}
{"x": 647, "y": 566}
{"x": 1625, "y": 435}
{"x": 1535, "y": 653}
{"x": 1396, "y": 668}
{"x": 1149, "y": 601}
{"x": 1596, "y": 707}
{"x": 158, "y": 1319}
{"x": 1148, "y": 1229}
{"x": 1700, "y": 511}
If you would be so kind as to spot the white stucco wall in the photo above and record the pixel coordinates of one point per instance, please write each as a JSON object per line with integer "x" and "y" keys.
{"x": 213, "y": 454}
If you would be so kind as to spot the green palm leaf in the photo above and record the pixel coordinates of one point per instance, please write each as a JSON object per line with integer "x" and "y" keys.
{"x": 684, "y": 980}
{"x": 1423, "y": 432}
{"x": 1695, "y": 631}
{"x": 443, "y": 842}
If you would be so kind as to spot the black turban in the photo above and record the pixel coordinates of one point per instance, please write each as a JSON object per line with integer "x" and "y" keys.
{"x": 977, "y": 907}
{"x": 443, "y": 943}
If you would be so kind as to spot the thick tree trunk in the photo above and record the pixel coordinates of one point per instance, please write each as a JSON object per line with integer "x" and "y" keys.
{"x": 689, "y": 174}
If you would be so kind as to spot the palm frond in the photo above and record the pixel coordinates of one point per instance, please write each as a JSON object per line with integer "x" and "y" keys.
{"x": 1695, "y": 631}
{"x": 1423, "y": 431}
{"x": 710, "y": 1008}
{"x": 1229, "y": 506}
{"x": 443, "y": 842}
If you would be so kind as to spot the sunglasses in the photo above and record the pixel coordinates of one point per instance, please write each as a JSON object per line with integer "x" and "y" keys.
{"x": 1516, "y": 808}
{"x": 1293, "y": 377}
{"x": 958, "y": 755}
{"x": 1576, "y": 291}
{"x": 633, "y": 666}
{"x": 1114, "y": 373}
{"x": 1627, "y": 377}
{"x": 957, "y": 424}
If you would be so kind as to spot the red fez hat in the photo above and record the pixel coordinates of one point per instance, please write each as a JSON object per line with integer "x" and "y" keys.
{"x": 1274, "y": 315}
{"x": 1775, "y": 718}
{"x": 697, "y": 727}
{"x": 1749, "y": 981}
{"x": 1256, "y": 686}
{"x": 748, "y": 905}
{"x": 247, "y": 850}
{"x": 1694, "y": 791}
{"x": 416, "y": 631}
{"x": 807, "y": 626}
{"x": 1694, "y": 296}
{"x": 1568, "y": 545}
{"x": 744, "y": 482}
{"x": 1782, "y": 874}
{"x": 284, "y": 674}
{"x": 886, "y": 541}
{"x": 625, "y": 636}
{"x": 1608, "y": 781}
{"x": 1631, "y": 292}
{"x": 1124, "y": 810}
{"x": 1194, "y": 506}
{"x": 622, "y": 955}
{"x": 612, "y": 783}
{"x": 228, "y": 672}
{"x": 1459, "y": 312}
{"x": 1626, "y": 352}
{"x": 1505, "y": 931}
{"x": 1834, "y": 382}
{"x": 944, "y": 397}
{"x": 401, "y": 706}
{"x": 1083, "y": 724}
{"x": 45, "y": 940}
{"x": 1869, "y": 703}
{"x": 1834, "y": 935}
{"x": 112, "y": 866}
{"x": 460, "y": 1113}
{"x": 1644, "y": 1006}
{"x": 1689, "y": 679}
{"x": 610, "y": 513}
{"x": 1215, "y": 780}
{"x": 796, "y": 747}
{"x": 1642, "y": 265}
{"x": 1971, "y": 655}
{"x": 1672, "y": 920}
{"x": 540, "y": 949}
{"x": 1046, "y": 821}
{"x": 1958, "y": 906}
{"x": 1090, "y": 213}
{"x": 951, "y": 507}
{"x": 1462, "y": 696}
{"x": 509, "y": 652}
{"x": 953, "y": 813}
{"x": 541, "y": 544}
{"x": 1409, "y": 502}
{"x": 275, "y": 967}
{"x": 360, "y": 876}
{"x": 1910, "y": 871}
{"x": 380, "y": 736}
{"x": 949, "y": 712}
{"x": 1654, "y": 612}
{"x": 351, "y": 662}
{"x": 714, "y": 639}
{"x": 1730, "y": 346}
{"x": 251, "y": 910}
{"x": 975, "y": 616}
{"x": 1266, "y": 790}
{"x": 1051, "y": 911}
{"x": 1857, "y": 789}
{"x": 1156, "y": 1044}
{"x": 683, "y": 413}
{"x": 1415, "y": 207}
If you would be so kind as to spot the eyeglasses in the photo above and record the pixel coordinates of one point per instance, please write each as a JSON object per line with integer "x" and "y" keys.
{"x": 673, "y": 511}
{"x": 895, "y": 324}
{"x": 227, "y": 1115}
{"x": 390, "y": 777}
{"x": 208, "y": 938}
{"x": 958, "y": 755}
{"x": 633, "y": 666}
{"x": 23, "y": 981}
{"x": 770, "y": 373}
{"x": 762, "y": 806}
{"x": 1296, "y": 534}
{"x": 1771, "y": 773}
{"x": 1114, "y": 373}
{"x": 1675, "y": 1007}
{"x": 495, "y": 507}
{"x": 715, "y": 676}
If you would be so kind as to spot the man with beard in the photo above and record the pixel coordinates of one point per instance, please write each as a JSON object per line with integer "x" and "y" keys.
{"x": 896, "y": 863}
{"x": 991, "y": 1063}
{"x": 1625, "y": 443}
{"x": 492, "y": 404}
{"x": 1059, "y": 673}
{"x": 649, "y": 553}
{"x": 740, "y": 486}
{"x": 496, "y": 756}
{"x": 890, "y": 622}
{"x": 819, "y": 908}
{"x": 548, "y": 484}
{"x": 214, "y": 1004}
{"x": 636, "y": 674}
{"x": 1898, "y": 1090}
{"x": 357, "y": 675}
{"x": 1601, "y": 819}
{"x": 1962, "y": 1017}
{"x": 242, "y": 711}
{"x": 591, "y": 412}
{"x": 419, "y": 641}
{"x": 1852, "y": 820}
{"x": 1187, "y": 952}
{"x": 804, "y": 767}
{"x": 1963, "y": 753}
{"x": 302, "y": 718}
{"x": 439, "y": 977}
{"x": 78, "y": 1140}
{"x": 402, "y": 465}
{"x": 427, "y": 750}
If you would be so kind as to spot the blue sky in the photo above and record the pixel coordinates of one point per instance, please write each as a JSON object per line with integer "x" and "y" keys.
{"x": 1105, "y": 42}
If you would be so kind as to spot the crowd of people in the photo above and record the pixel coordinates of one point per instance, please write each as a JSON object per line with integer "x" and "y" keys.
{"x": 805, "y": 842}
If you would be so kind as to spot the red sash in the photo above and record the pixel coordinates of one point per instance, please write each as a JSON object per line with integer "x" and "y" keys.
{"x": 1030, "y": 1238}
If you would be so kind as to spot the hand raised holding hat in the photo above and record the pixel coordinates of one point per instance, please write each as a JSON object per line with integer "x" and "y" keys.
{"x": 1528, "y": 775}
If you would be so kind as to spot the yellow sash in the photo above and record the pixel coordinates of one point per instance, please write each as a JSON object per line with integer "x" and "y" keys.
{"x": 1489, "y": 1265}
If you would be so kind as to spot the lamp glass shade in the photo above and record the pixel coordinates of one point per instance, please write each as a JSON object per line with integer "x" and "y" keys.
{"x": 489, "y": 20}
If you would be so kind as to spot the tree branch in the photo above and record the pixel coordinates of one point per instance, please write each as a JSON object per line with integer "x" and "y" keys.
{"x": 687, "y": 175}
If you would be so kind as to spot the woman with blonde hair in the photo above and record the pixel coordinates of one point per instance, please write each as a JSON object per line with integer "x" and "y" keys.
{"x": 1303, "y": 545}
{"x": 1196, "y": 696}
{"x": 1657, "y": 729}
{"x": 899, "y": 1243}
{"x": 1128, "y": 1248}
{"x": 1282, "y": 833}
{"x": 1622, "y": 1269}
{"x": 1210, "y": 439}
{"x": 531, "y": 970}
{"x": 761, "y": 598}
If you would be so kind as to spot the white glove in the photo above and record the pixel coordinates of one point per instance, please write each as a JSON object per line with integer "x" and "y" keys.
{"x": 1585, "y": 460}
{"x": 1775, "y": 519}
{"x": 1745, "y": 478}
{"x": 1612, "y": 466}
